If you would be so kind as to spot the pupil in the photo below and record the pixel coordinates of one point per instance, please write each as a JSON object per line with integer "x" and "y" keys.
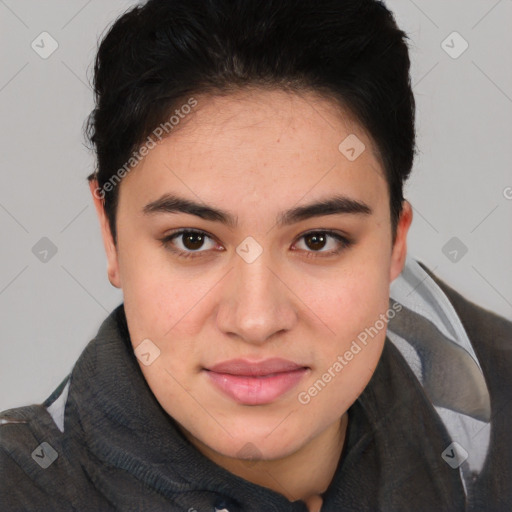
{"x": 192, "y": 244}
{"x": 315, "y": 241}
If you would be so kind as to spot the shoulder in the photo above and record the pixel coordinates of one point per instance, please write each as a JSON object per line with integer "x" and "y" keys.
{"x": 489, "y": 332}
{"x": 491, "y": 338}
{"x": 30, "y": 443}
{"x": 471, "y": 394}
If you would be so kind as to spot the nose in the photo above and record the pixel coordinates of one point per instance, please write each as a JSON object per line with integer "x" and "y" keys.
{"x": 256, "y": 302}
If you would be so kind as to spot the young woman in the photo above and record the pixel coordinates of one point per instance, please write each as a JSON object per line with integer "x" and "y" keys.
{"x": 251, "y": 158}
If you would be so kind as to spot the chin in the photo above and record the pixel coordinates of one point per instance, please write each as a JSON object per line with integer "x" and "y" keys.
{"x": 253, "y": 445}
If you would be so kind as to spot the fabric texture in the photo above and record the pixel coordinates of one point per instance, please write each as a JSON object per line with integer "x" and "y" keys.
{"x": 117, "y": 449}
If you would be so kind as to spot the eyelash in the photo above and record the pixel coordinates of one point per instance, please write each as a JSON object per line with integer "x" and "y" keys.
{"x": 344, "y": 242}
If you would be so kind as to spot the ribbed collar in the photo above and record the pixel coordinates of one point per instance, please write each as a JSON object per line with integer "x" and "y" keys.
{"x": 391, "y": 459}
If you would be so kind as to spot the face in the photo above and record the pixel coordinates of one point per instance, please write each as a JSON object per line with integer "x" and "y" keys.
{"x": 255, "y": 300}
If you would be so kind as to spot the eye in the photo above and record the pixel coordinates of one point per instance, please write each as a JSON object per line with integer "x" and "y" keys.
{"x": 186, "y": 242}
{"x": 191, "y": 243}
{"x": 326, "y": 242}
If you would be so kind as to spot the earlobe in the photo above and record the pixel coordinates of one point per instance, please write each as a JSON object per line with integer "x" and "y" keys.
{"x": 399, "y": 252}
{"x": 108, "y": 241}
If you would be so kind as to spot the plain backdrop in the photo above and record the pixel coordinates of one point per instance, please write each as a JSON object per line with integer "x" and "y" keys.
{"x": 52, "y": 303}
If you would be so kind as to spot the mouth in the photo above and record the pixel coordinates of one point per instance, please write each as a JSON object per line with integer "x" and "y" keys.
{"x": 256, "y": 383}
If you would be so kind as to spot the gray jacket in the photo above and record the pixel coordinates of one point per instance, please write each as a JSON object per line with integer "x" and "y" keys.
{"x": 430, "y": 432}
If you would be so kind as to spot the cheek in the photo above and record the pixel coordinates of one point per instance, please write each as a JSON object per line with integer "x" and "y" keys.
{"x": 346, "y": 362}
{"x": 351, "y": 299}
{"x": 155, "y": 294}
{"x": 338, "y": 385}
{"x": 354, "y": 307}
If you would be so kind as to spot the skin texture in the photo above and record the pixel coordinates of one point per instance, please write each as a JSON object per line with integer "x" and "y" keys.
{"x": 255, "y": 154}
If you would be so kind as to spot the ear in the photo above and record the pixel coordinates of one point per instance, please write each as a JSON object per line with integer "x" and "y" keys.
{"x": 399, "y": 252}
{"x": 108, "y": 241}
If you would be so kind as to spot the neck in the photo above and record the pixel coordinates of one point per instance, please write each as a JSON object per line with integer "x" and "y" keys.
{"x": 303, "y": 475}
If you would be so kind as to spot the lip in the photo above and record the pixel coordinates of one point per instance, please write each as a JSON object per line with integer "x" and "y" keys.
{"x": 256, "y": 382}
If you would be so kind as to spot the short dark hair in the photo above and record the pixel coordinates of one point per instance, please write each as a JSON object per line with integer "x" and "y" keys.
{"x": 158, "y": 54}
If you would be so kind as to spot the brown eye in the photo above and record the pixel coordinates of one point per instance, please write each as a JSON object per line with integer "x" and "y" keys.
{"x": 315, "y": 241}
{"x": 193, "y": 241}
{"x": 188, "y": 243}
{"x": 323, "y": 243}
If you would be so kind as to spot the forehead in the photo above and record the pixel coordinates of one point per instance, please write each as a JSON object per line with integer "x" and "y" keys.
{"x": 274, "y": 116}
{"x": 262, "y": 145}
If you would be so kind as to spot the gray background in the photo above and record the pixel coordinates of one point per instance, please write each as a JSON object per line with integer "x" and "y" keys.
{"x": 49, "y": 309}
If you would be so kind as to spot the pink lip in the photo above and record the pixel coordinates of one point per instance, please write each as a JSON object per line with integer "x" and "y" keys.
{"x": 256, "y": 383}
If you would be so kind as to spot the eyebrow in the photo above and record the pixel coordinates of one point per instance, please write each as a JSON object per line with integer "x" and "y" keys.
{"x": 334, "y": 205}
